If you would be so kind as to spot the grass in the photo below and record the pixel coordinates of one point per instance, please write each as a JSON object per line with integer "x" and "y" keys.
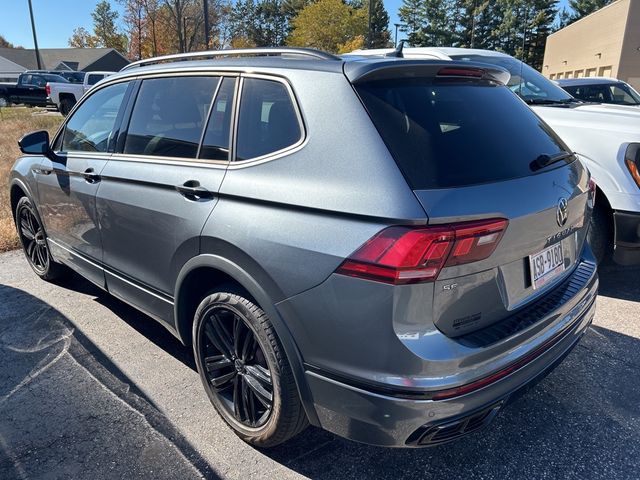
{"x": 15, "y": 122}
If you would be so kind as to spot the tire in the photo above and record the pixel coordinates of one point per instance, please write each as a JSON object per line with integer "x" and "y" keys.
{"x": 245, "y": 363}
{"x": 3, "y": 101}
{"x": 600, "y": 234}
{"x": 66, "y": 104}
{"x": 34, "y": 242}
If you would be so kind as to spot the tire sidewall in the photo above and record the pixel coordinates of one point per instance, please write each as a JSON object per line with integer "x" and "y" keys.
{"x": 227, "y": 300}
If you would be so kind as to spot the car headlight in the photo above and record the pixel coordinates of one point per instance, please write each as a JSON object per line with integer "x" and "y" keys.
{"x": 632, "y": 160}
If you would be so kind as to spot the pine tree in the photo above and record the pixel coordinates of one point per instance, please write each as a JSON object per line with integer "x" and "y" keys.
{"x": 380, "y": 36}
{"x": 104, "y": 27}
{"x": 582, "y": 8}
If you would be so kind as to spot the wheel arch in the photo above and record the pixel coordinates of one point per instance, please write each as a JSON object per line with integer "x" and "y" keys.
{"x": 17, "y": 190}
{"x": 223, "y": 271}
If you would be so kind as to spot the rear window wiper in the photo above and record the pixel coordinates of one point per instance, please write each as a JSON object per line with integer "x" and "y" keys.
{"x": 545, "y": 160}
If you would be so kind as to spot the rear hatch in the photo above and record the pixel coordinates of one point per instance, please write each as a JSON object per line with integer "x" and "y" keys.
{"x": 472, "y": 151}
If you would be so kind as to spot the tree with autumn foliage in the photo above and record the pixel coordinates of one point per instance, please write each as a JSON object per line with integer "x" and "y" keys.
{"x": 330, "y": 25}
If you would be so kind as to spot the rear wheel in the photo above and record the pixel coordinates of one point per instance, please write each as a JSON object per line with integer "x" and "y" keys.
{"x": 66, "y": 104}
{"x": 601, "y": 233}
{"x": 245, "y": 371}
{"x": 3, "y": 101}
{"x": 34, "y": 241}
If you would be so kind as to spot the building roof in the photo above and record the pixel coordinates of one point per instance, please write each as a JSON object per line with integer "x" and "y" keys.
{"x": 80, "y": 58}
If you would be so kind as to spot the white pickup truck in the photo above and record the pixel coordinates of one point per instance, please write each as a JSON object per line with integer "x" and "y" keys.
{"x": 66, "y": 95}
{"x": 605, "y": 137}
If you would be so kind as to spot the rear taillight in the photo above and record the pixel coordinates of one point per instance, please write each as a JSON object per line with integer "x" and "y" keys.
{"x": 592, "y": 193}
{"x": 47, "y": 88}
{"x": 402, "y": 255}
{"x": 632, "y": 160}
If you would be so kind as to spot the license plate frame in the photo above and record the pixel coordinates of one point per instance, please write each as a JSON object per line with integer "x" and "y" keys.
{"x": 546, "y": 265}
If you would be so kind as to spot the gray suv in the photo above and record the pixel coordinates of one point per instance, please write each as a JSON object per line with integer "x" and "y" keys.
{"x": 385, "y": 248}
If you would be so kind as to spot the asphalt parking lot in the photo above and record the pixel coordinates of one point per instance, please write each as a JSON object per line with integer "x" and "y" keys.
{"x": 90, "y": 388}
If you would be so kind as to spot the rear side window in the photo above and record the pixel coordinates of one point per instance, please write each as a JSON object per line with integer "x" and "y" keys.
{"x": 268, "y": 121}
{"x": 169, "y": 115}
{"x": 446, "y": 135}
{"x": 90, "y": 126}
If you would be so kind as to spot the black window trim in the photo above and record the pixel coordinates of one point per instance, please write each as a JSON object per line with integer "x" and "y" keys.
{"x": 234, "y": 164}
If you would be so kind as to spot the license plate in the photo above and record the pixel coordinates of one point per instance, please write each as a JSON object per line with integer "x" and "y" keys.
{"x": 546, "y": 265}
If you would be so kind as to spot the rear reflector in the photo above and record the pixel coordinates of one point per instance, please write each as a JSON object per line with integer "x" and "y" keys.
{"x": 47, "y": 89}
{"x": 402, "y": 255}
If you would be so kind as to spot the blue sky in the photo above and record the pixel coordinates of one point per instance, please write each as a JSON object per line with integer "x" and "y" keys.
{"x": 56, "y": 19}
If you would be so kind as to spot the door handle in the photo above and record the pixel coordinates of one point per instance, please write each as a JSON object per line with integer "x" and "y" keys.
{"x": 192, "y": 190}
{"x": 90, "y": 176}
{"x": 42, "y": 171}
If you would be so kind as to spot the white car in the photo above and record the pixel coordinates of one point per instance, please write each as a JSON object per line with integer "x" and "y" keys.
{"x": 601, "y": 90}
{"x": 66, "y": 95}
{"x": 606, "y": 137}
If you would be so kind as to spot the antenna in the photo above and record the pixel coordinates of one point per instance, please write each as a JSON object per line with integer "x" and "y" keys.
{"x": 397, "y": 52}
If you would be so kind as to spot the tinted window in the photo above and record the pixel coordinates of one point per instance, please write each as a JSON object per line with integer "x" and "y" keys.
{"x": 450, "y": 134}
{"x": 268, "y": 120}
{"x": 169, "y": 115}
{"x": 216, "y": 137}
{"x": 93, "y": 79}
{"x": 90, "y": 126}
{"x": 53, "y": 78}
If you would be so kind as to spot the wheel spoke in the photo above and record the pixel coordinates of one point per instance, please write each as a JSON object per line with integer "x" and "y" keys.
{"x": 259, "y": 387}
{"x": 33, "y": 254}
{"x": 218, "y": 342}
{"x": 245, "y": 400}
{"x": 41, "y": 256}
{"x": 236, "y": 397}
{"x": 221, "y": 382}
{"x": 248, "y": 347}
{"x": 217, "y": 362}
{"x": 25, "y": 228}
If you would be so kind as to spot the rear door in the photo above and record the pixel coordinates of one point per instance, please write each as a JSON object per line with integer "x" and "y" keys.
{"x": 473, "y": 151}
{"x": 68, "y": 184}
{"x": 160, "y": 188}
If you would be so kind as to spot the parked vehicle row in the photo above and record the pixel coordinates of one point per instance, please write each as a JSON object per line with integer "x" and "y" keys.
{"x": 387, "y": 248}
{"x": 65, "y": 95}
{"x": 601, "y": 90}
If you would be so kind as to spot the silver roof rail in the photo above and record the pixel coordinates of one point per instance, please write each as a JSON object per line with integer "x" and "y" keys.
{"x": 238, "y": 52}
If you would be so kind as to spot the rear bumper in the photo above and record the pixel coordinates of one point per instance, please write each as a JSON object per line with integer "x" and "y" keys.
{"x": 387, "y": 416}
{"x": 627, "y": 237}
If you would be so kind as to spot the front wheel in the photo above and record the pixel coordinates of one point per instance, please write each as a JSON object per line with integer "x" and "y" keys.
{"x": 245, "y": 371}
{"x": 600, "y": 234}
{"x": 66, "y": 104}
{"x": 34, "y": 241}
{"x": 3, "y": 101}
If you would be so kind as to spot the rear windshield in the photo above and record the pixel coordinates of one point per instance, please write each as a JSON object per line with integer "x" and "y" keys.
{"x": 446, "y": 135}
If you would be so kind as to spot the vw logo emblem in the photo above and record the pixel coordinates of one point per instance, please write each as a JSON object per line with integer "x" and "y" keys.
{"x": 562, "y": 212}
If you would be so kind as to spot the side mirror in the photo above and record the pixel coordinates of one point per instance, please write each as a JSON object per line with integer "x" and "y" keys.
{"x": 35, "y": 143}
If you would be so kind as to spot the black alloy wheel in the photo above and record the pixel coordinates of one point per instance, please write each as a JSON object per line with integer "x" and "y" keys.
{"x": 245, "y": 370}
{"x": 34, "y": 241}
{"x": 236, "y": 366}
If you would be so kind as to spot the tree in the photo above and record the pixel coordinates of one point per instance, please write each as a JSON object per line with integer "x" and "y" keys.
{"x": 6, "y": 44}
{"x": 329, "y": 25}
{"x": 81, "y": 38}
{"x": 431, "y": 22}
{"x": 379, "y": 36}
{"x": 135, "y": 21}
{"x": 582, "y": 8}
{"x": 104, "y": 27}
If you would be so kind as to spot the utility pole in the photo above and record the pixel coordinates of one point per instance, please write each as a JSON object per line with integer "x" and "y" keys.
{"x": 205, "y": 5}
{"x": 35, "y": 39}
{"x": 369, "y": 36}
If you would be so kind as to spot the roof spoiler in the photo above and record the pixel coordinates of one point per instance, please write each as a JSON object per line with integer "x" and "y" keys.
{"x": 366, "y": 71}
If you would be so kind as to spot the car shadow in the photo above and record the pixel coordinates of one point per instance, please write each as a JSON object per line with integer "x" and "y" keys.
{"x": 67, "y": 411}
{"x": 137, "y": 320}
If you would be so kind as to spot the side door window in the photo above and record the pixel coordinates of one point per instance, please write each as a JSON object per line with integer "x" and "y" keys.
{"x": 91, "y": 125}
{"x": 169, "y": 116}
{"x": 268, "y": 120}
{"x": 93, "y": 79}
